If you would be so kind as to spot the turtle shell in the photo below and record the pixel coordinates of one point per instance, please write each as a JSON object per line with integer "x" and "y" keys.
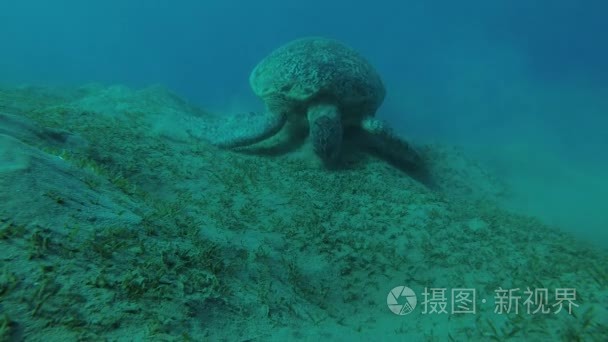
{"x": 317, "y": 70}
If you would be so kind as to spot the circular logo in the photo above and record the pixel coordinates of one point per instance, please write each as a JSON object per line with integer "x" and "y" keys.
{"x": 401, "y": 300}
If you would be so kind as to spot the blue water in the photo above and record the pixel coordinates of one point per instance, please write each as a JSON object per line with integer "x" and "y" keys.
{"x": 206, "y": 48}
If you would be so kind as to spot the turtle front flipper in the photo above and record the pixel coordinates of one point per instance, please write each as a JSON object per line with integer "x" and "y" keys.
{"x": 325, "y": 131}
{"x": 384, "y": 142}
{"x": 243, "y": 129}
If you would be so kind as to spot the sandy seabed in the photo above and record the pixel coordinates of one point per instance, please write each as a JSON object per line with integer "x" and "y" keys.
{"x": 118, "y": 223}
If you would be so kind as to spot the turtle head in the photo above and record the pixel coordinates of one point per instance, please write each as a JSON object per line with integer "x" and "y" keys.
{"x": 325, "y": 131}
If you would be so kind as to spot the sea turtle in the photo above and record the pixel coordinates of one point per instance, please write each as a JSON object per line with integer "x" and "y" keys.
{"x": 331, "y": 87}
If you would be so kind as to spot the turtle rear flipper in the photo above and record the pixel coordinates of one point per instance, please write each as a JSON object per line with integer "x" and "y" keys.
{"x": 244, "y": 129}
{"x": 386, "y": 144}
